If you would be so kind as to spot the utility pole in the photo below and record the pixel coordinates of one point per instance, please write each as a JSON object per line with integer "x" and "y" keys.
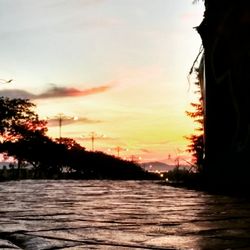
{"x": 118, "y": 149}
{"x": 135, "y": 158}
{"x": 92, "y": 136}
{"x": 61, "y": 117}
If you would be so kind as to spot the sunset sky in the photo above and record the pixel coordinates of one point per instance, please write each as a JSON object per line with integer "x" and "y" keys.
{"x": 120, "y": 66}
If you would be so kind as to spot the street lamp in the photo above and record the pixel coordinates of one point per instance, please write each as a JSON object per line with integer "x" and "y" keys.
{"x": 61, "y": 117}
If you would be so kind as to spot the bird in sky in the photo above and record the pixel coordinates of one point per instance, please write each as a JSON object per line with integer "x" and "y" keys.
{"x": 4, "y": 81}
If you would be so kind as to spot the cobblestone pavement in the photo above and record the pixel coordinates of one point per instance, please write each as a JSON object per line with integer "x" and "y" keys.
{"x": 122, "y": 215}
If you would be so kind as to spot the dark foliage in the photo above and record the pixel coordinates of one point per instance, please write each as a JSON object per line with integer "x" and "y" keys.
{"x": 18, "y": 119}
{"x": 196, "y": 146}
{"x": 24, "y": 138}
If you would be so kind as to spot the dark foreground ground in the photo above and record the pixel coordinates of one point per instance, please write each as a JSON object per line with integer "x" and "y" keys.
{"x": 122, "y": 215}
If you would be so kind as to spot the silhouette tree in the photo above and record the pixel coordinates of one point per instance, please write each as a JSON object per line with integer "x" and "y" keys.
{"x": 19, "y": 124}
{"x": 18, "y": 119}
{"x": 69, "y": 143}
{"x": 196, "y": 146}
{"x": 24, "y": 137}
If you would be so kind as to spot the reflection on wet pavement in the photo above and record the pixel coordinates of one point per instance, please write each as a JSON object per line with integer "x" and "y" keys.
{"x": 118, "y": 215}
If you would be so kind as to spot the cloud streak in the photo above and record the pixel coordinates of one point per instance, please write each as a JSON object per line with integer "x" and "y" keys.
{"x": 71, "y": 92}
{"x": 54, "y": 121}
{"x": 54, "y": 92}
{"x": 146, "y": 151}
{"x": 17, "y": 93}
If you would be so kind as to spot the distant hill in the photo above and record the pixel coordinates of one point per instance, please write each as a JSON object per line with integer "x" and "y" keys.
{"x": 156, "y": 165}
